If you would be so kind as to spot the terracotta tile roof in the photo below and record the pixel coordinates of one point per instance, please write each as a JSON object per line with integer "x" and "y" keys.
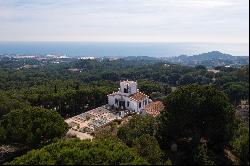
{"x": 154, "y": 108}
{"x": 138, "y": 96}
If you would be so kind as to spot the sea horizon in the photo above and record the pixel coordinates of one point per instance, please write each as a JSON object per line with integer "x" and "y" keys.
{"x": 120, "y": 49}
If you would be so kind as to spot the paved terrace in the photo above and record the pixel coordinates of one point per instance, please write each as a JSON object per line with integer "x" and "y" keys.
{"x": 84, "y": 124}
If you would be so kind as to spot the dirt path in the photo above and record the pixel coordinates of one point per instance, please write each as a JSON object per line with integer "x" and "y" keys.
{"x": 231, "y": 156}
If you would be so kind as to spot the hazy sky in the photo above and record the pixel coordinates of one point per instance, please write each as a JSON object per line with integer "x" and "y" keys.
{"x": 225, "y": 21}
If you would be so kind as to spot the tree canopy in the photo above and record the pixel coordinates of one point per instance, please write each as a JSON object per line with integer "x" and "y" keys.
{"x": 196, "y": 114}
{"x": 240, "y": 144}
{"x": 140, "y": 134}
{"x": 76, "y": 152}
{"x": 199, "y": 119}
{"x": 7, "y": 104}
{"x": 148, "y": 147}
{"x": 31, "y": 126}
{"x": 137, "y": 126}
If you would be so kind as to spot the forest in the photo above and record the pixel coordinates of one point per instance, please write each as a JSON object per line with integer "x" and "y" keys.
{"x": 198, "y": 126}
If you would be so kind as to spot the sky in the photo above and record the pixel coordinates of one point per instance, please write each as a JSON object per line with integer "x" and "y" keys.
{"x": 215, "y": 21}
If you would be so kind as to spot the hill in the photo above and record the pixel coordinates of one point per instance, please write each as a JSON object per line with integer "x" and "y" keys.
{"x": 210, "y": 59}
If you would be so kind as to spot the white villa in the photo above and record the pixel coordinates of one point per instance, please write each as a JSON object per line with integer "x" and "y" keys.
{"x": 130, "y": 98}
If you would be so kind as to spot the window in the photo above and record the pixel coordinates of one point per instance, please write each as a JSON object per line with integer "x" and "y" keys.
{"x": 116, "y": 101}
{"x": 125, "y": 90}
{"x": 145, "y": 102}
{"x": 127, "y": 103}
{"x": 140, "y": 105}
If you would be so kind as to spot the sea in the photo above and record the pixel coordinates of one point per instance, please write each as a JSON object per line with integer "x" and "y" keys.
{"x": 119, "y": 49}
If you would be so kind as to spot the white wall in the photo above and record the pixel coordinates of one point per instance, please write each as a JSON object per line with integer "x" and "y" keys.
{"x": 133, "y": 105}
{"x": 111, "y": 100}
{"x": 128, "y": 84}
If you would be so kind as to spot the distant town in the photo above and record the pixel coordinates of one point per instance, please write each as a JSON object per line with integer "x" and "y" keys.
{"x": 210, "y": 59}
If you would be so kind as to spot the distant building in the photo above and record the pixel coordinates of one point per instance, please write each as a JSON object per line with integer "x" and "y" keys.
{"x": 213, "y": 70}
{"x": 88, "y": 58}
{"x": 74, "y": 70}
{"x": 130, "y": 98}
{"x": 25, "y": 57}
{"x": 63, "y": 57}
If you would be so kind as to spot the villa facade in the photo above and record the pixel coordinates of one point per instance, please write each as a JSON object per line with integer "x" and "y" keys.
{"x": 130, "y": 98}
